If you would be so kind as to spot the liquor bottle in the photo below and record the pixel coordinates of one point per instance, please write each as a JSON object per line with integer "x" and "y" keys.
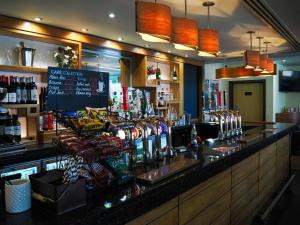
{"x": 5, "y": 85}
{"x": 33, "y": 91}
{"x": 23, "y": 90}
{"x": 158, "y": 73}
{"x": 18, "y": 90}
{"x": 9, "y": 129}
{"x": 17, "y": 128}
{"x": 28, "y": 88}
{"x": 45, "y": 99}
{"x": 174, "y": 75}
{"x": 41, "y": 99}
{"x": 12, "y": 95}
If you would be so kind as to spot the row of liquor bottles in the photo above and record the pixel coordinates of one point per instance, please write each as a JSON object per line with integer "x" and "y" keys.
{"x": 20, "y": 90}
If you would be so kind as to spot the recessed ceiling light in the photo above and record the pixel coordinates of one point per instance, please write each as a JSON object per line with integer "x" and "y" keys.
{"x": 38, "y": 19}
{"x": 169, "y": 51}
{"x": 111, "y": 15}
{"x": 283, "y": 60}
{"x": 120, "y": 39}
{"x": 157, "y": 53}
{"x": 84, "y": 30}
{"x": 147, "y": 46}
{"x": 186, "y": 56}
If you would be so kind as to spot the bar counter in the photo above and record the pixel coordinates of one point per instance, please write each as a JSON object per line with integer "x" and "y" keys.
{"x": 214, "y": 186}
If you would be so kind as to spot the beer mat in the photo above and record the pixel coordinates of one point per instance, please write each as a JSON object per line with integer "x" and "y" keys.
{"x": 249, "y": 138}
{"x": 159, "y": 174}
{"x": 269, "y": 130}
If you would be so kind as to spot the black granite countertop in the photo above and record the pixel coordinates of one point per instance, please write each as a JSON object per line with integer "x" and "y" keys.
{"x": 121, "y": 204}
{"x": 33, "y": 152}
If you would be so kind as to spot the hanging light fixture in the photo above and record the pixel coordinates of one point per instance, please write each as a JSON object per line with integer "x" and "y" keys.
{"x": 153, "y": 21}
{"x": 185, "y": 32}
{"x": 208, "y": 38}
{"x": 261, "y": 65}
{"x": 251, "y": 57}
{"x": 269, "y": 64}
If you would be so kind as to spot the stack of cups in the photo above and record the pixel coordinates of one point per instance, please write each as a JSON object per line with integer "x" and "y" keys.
{"x": 17, "y": 196}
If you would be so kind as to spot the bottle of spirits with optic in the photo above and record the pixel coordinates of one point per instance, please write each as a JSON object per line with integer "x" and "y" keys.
{"x": 174, "y": 75}
{"x": 12, "y": 95}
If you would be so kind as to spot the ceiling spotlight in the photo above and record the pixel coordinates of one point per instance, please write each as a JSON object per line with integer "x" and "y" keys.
{"x": 169, "y": 51}
{"x": 111, "y": 15}
{"x": 147, "y": 46}
{"x": 38, "y": 19}
{"x": 84, "y": 30}
{"x": 157, "y": 53}
{"x": 186, "y": 56}
{"x": 120, "y": 39}
{"x": 283, "y": 60}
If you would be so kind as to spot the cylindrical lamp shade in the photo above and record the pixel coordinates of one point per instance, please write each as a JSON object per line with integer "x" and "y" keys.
{"x": 153, "y": 21}
{"x": 270, "y": 65}
{"x": 208, "y": 42}
{"x": 185, "y": 33}
{"x": 263, "y": 62}
{"x": 252, "y": 59}
{"x": 234, "y": 72}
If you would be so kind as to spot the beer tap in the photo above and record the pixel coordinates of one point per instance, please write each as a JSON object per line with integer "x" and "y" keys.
{"x": 158, "y": 151}
{"x": 221, "y": 126}
{"x": 169, "y": 148}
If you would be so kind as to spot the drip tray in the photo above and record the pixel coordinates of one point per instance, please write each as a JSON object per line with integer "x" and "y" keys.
{"x": 165, "y": 171}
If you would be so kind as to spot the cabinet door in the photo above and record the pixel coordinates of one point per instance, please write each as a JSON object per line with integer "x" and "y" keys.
{"x": 193, "y": 202}
{"x": 166, "y": 214}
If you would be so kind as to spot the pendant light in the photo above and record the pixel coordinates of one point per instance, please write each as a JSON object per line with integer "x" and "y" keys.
{"x": 261, "y": 65}
{"x": 208, "y": 38}
{"x": 269, "y": 64}
{"x": 153, "y": 21}
{"x": 251, "y": 57}
{"x": 185, "y": 32}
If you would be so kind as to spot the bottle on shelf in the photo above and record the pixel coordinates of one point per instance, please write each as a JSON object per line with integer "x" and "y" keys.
{"x": 158, "y": 73}
{"x": 18, "y": 90}
{"x": 16, "y": 127}
{"x": 33, "y": 91}
{"x": 41, "y": 99}
{"x": 174, "y": 75}
{"x": 28, "y": 88}
{"x": 23, "y": 90}
{"x": 9, "y": 128}
{"x": 12, "y": 95}
{"x": 3, "y": 84}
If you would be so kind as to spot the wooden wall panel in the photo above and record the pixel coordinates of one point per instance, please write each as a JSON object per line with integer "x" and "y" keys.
{"x": 125, "y": 72}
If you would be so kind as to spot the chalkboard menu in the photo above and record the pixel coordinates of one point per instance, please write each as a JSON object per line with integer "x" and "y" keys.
{"x": 70, "y": 89}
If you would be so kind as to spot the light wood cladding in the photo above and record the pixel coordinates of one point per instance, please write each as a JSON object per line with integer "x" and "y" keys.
{"x": 139, "y": 78}
{"x": 224, "y": 219}
{"x": 244, "y": 168}
{"x": 212, "y": 213}
{"x": 23, "y": 69}
{"x": 125, "y": 72}
{"x": 159, "y": 214}
{"x": 208, "y": 194}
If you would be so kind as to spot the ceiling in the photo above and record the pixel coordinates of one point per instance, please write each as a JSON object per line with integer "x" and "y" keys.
{"x": 231, "y": 17}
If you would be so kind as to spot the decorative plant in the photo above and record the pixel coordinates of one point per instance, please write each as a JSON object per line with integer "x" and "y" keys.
{"x": 66, "y": 57}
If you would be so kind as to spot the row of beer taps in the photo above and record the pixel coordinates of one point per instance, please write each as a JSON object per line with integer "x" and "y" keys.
{"x": 153, "y": 127}
{"x": 230, "y": 123}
